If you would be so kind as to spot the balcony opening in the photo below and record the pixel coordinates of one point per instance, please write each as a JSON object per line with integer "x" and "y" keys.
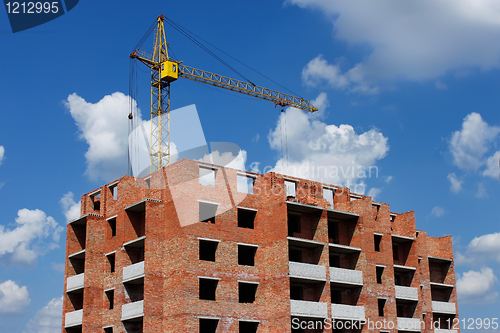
{"x": 340, "y": 231}
{"x": 111, "y": 262}
{"x": 133, "y": 326}
{"x": 245, "y": 184}
{"x": 401, "y": 250}
{"x": 305, "y": 254}
{"x": 207, "y": 250}
{"x": 296, "y": 292}
{"x": 294, "y": 254}
{"x": 345, "y": 260}
{"x": 76, "y": 299}
{"x": 108, "y": 330}
{"x": 381, "y": 305}
{"x": 134, "y": 290}
{"x": 441, "y": 294}
{"x": 138, "y": 221}
{"x": 403, "y": 277}
{"x": 291, "y": 189}
{"x": 246, "y": 218}
{"x": 346, "y": 296}
{"x": 135, "y": 250}
{"x": 77, "y": 329}
{"x": 438, "y": 270}
{"x": 302, "y": 290}
{"x": 336, "y": 296}
{"x": 207, "y": 212}
{"x": 77, "y": 264}
{"x": 79, "y": 230}
{"x": 333, "y": 232}
{"x": 395, "y": 252}
{"x": 207, "y": 175}
{"x": 405, "y": 309}
{"x": 328, "y": 195}
{"x": 95, "y": 198}
{"x": 380, "y": 272}
{"x": 208, "y": 288}
{"x": 114, "y": 191}
{"x": 110, "y": 298}
{"x": 248, "y": 326}
{"x": 112, "y": 227}
{"x": 247, "y": 291}
{"x": 377, "y": 239}
{"x": 208, "y": 325}
{"x": 335, "y": 261}
{"x": 293, "y": 224}
{"x": 246, "y": 255}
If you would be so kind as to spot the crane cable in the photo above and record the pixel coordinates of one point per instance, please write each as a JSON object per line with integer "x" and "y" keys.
{"x": 171, "y": 22}
{"x": 133, "y": 147}
{"x": 189, "y": 36}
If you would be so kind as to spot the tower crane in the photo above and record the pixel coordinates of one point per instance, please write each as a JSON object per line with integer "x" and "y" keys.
{"x": 165, "y": 70}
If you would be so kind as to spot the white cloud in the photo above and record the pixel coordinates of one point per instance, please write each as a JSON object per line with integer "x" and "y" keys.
{"x": 71, "y": 209}
{"x": 13, "y": 299}
{"x": 104, "y": 126}
{"x": 492, "y": 166}
{"x": 48, "y": 319}
{"x": 34, "y": 235}
{"x": 388, "y": 179}
{"x": 456, "y": 184}
{"x": 471, "y": 143}
{"x": 256, "y": 138}
{"x": 328, "y": 153}
{"x": 481, "y": 249}
{"x": 374, "y": 192}
{"x": 414, "y": 40}
{"x": 477, "y": 287}
{"x": 2, "y": 153}
{"x": 319, "y": 69}
{"x": 486, "y": 246}
{"x": 438, "y": 211}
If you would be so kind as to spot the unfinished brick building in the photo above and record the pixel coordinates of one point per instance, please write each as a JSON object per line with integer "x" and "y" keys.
{"x": 202, "y": 248}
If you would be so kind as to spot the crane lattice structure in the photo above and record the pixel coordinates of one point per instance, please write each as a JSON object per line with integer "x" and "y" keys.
{"x": 165, "y": 70}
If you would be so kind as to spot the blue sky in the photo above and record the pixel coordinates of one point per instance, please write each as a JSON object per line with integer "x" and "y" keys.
{"x": 407, "y": 87}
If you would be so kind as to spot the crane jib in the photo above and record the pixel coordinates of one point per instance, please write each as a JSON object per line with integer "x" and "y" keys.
{"x": 244, "y": 87}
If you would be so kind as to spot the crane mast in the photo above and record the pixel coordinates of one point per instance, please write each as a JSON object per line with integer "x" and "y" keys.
{"x": 165, "y": 70}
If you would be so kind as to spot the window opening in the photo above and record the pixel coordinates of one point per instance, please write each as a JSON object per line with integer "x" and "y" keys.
{"x": 380, "y": 271}
{"x": 246, "y": 292}
{"x": 377, "y": 239}
{"x": 246, "y": 255}
{"x": 246, "y": 218}
{"x": 207, "y": 250}
{"x": 208, "y": 288}
{"x": 207, "y": 212}
{"x": 245, "y": 184}
{"x": 207, "y": 176}
{"x": 381, "y": 305}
